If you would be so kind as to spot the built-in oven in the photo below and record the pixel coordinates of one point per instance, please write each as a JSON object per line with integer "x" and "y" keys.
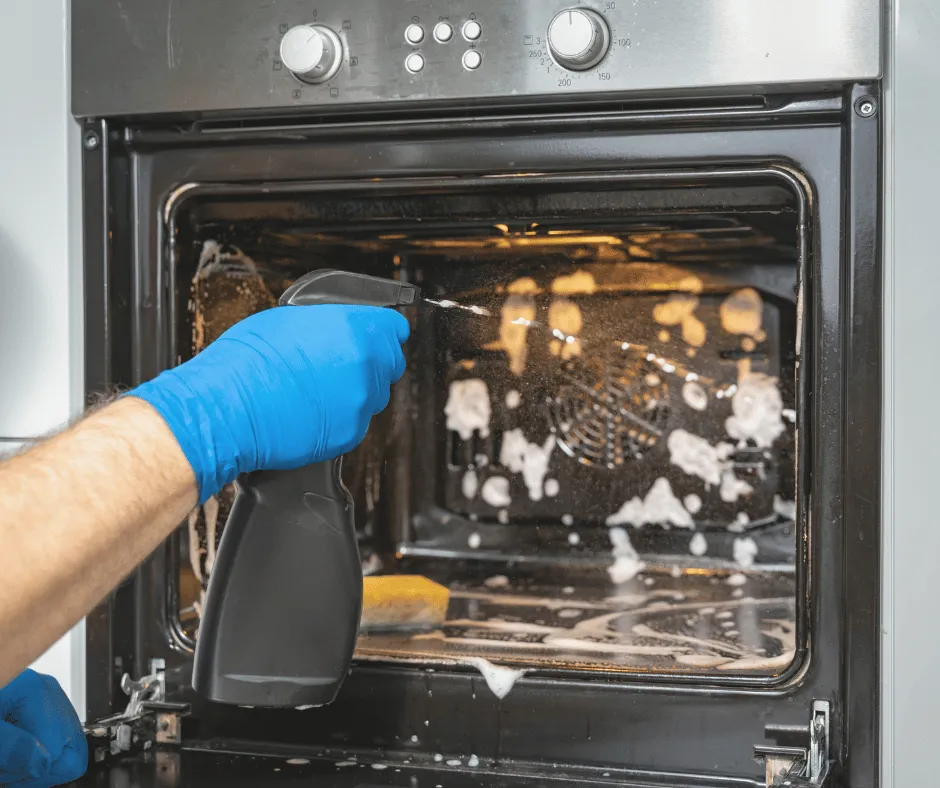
{"x": 638, "y": 438}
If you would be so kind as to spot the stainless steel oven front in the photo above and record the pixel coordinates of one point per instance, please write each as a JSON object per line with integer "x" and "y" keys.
{"x": 638, "y": 442}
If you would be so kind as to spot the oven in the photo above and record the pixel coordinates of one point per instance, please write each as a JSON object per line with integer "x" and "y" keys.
{"x": 638, "y": 438}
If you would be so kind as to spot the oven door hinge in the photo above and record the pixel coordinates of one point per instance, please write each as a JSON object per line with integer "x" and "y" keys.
{"x": 799, "y": 766}
{"x": 147, "y": 720}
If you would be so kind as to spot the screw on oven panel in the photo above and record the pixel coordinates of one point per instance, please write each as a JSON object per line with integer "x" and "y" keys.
{"x": 91, "y": 140}
{"x": 865, "y": 106}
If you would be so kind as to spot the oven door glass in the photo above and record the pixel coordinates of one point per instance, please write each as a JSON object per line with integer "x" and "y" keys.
{"x": 594, "y": 446}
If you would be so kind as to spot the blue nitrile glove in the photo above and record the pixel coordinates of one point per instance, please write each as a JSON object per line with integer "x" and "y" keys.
{"x": 282, "y": 389}
{"x": 41, "y": 739}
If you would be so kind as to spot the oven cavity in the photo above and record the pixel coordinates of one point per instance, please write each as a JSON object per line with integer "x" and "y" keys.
{"x": 595, "y": 444}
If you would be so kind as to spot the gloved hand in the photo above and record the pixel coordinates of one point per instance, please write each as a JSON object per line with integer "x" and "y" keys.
{"x": 282, "y": 389}
{"x": 41, "y": 739}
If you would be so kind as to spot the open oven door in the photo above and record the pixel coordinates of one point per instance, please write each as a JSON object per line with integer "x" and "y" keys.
{"x": 144, "y": 747}
{"x": 156, "y": 743}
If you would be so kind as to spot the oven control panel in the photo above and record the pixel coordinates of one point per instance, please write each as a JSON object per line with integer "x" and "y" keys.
{"x": 231, "y": 56}
{"x": 577, "y": 39}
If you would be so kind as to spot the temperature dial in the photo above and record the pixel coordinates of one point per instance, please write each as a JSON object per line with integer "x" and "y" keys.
{"x": 578, "y": 39}
{"x": 312, "y": 53}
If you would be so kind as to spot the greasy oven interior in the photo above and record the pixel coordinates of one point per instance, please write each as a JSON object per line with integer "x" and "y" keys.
{"x": 637, "y": 438}
{"x": 621, "y": 369}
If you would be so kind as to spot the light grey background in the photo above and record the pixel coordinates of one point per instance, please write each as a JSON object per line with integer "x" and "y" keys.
{"x": 41, "y": 343}
{"x": 911, "y": 604}
{"x": 40, "y": 319}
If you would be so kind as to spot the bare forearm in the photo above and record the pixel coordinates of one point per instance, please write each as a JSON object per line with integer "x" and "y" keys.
{"x": 79, "y": 512}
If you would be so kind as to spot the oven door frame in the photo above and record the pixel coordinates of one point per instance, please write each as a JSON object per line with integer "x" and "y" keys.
{"x": 131, "y": 174}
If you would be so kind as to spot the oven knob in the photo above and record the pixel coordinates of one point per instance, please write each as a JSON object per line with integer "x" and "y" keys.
{"x": 578, "y": 39}
{"x": 312, "y": 53}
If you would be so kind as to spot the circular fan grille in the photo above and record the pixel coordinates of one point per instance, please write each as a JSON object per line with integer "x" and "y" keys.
{"x": 610, "y": 409}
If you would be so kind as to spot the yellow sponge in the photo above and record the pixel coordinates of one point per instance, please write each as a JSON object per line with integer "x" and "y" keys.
{"x": 402, "y": 602}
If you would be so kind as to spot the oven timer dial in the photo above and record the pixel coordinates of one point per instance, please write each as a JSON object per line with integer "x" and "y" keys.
{"x": 578, "y": 39}
{"x": 312, "y": 53}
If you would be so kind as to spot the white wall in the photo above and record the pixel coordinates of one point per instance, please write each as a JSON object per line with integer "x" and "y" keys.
{"x": 40, "y": 252}
{"x": 911, "y": 538}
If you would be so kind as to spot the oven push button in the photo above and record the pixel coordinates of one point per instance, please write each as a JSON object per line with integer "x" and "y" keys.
{"x": 414, "y": 62}
{"x": 414, "y": 34}
{"x": 472, "y": 30}
{"x": 443, "y": 32}
{"x": 472, "y": 60}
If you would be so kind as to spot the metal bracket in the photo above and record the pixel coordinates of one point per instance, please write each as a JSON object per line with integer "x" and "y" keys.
{"x": 800, "y": 767}
{"x": 151, "y": 687}
{"x": 147, "y": 718}
{"x": 169, "y": 727}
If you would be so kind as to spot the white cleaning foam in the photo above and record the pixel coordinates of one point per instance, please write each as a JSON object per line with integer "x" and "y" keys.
{"x": 371, "y": 565}
{"x": 513, "y": 399}
{"x": 499, "y": 679}
{"x": 745, "y": 551}
{"x": 552, "y": 488}
{"x": 732, "y": 487}
{"x": 695, "y": 396}
{"x": 529, "y": 459}
{"x": 692, "y": 503}
{"x": 699, "y": 545}
{"x": 627, "y": 563}
{"x": 469, "y": 484}
{"x": 785, "y": 508}
{"x": 660, "y": 506}
{"x": 701, "y": 660}
{"x": 757, "y": 409}
{"x": 495, "y": 492}
{"x": 468, "y": 408}
{"x": 695, "y": 455}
